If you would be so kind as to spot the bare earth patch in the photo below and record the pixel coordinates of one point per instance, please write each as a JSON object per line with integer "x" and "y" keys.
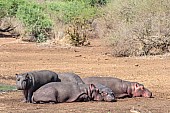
{"x": 153, "y": 72}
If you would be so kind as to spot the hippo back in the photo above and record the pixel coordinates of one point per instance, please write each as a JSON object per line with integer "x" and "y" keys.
{"x": 114, "y": 84}
{"x": 42, "y": 77}
{"x": 70, "y": 77}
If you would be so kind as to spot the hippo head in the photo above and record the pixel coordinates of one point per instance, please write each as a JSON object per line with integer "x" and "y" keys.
{"x": 22, "y": 81}
{"x": 101, "y": 95}
{"x": 141, "y": 91}
{"x": 106, "y": 93}
{"x": 95, "y": 95}
{"x": 108, "y": 96}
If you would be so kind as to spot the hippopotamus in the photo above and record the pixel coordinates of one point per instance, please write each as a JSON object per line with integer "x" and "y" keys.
{"x": 106, "y": 92}
{"x": 58, "y": 92}
{"x": 70, "y": 77}
{"x": 120, "y": 87}
{"x": 31, "y": 81}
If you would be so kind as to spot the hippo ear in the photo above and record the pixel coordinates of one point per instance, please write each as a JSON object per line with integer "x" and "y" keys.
{"x": 136, "y": 85}
{"x": 92, "y": 86}
{"x": 27, "y": 76}
{"x": 142, "y": 87}
{"x": 16, "y": 75}
{"x": 139, "y": 86}
{"x": 97, "y": 90}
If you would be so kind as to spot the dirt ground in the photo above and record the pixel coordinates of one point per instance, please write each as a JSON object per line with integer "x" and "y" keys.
{"x": 95, "y": 60}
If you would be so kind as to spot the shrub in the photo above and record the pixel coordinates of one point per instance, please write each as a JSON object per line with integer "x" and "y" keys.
{"x": 31, "y": 14}
{"x": 139, "y": 27}
{"x": 78, "y": 34}
{"x": 8, "y": 9}
{"x": 91, "y": 2}
{"x": 77, "y": 15}
{"x": 68, "y": 12}
{"x": 37, "y": 22}
{"x": 96, "y": 2}
{"x": 4, "y": 7}
{"x": 35, "y": 16}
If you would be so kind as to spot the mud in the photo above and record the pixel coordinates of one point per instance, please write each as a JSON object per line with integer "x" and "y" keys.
{"x": 19, "y": 57}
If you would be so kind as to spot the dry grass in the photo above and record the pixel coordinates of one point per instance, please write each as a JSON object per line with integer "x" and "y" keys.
{"x": 137, "y": 28}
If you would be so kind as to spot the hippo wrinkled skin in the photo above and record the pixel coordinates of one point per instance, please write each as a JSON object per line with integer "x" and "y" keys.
{"x": 31, "y": 81}
{"x": 120, "y": 87}
{"x": 58, "y": 92}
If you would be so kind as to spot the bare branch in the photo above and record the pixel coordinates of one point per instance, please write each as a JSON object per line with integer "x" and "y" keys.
{"x": 8, "y": 29}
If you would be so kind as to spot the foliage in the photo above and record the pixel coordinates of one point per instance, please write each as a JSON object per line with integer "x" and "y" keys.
{"x": 78, "y": 33}
{"x": 3, "y": 8}
{"x": 70, "y": 11}
{"x": 9, "y": 7}
{"x": 38, "y": 17}
{"x": 36, "y": 21}
{"x": 91, "y": 2}
{"x": 31, "y": 14}
{"x": 76, "y": 14}
{"x": 140, "y": 27}
{"x": 97, "y": 2}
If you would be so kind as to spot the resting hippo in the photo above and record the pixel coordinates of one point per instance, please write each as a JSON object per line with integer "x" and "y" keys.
{"x": 31, "y": 81}
{"x": 70, "y": 77}
{"x": 120, "y": 87}
{"x": 107, "y": 94}
{"x": 57, "y": 92}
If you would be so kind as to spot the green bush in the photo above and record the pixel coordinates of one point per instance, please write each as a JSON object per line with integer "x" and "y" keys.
{"x": 2, "y": 9}
{"x": 38, "y": 17}
{"x": 31, "y": 14}
{"x": 9, "y": 7}
{"x": 96, "y": 2}
{"x": 35, "y": 19}
{"x": 77, "y": 14}
{"x": 70, "y": 11}
{"x": 90, "y": 2}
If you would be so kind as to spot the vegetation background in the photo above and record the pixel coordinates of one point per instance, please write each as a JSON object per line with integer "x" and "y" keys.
{"x": 132, "y": 27}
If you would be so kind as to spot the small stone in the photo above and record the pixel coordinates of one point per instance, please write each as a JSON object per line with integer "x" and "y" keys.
{"x": 137, "y": 65}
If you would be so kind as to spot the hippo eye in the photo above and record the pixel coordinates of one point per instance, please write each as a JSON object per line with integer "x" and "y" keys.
{"x": 105, "y": 93}
{"x": 18, "y": 79}
{"x": 112, "y": 93}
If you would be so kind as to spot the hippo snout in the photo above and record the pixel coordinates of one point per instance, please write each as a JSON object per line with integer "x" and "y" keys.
{"x": 21, "y": 85}
{"x": 19, "y": 88}
{"x": 110, "y": 98}
{"x": 147, "y": 94}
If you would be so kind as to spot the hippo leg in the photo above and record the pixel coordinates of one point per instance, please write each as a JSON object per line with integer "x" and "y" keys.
{"x": 83, "y": 98}
{"x": 122, "y": 95}
{"x": 29, "y": 97}
{"x": 25, "y": 92}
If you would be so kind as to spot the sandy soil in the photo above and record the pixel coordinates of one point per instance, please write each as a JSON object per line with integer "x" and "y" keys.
{"x": 153, "y": 72}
